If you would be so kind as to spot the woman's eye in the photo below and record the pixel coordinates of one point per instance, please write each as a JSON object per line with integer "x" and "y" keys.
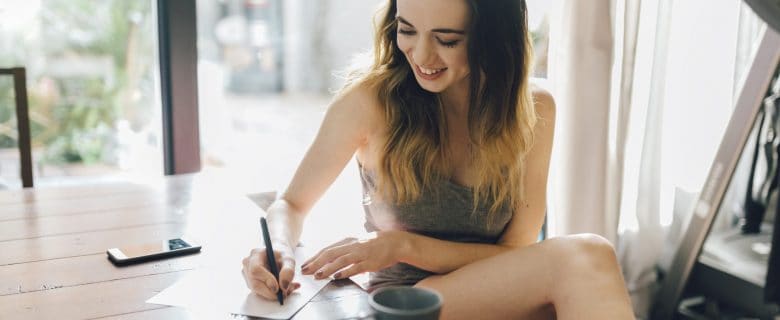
{"x": 406, "y": 32}
{"x": 449, "y": 44}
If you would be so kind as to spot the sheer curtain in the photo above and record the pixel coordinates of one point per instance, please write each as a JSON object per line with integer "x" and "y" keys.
{"x": 579, "y": 76}
{"x": 644, "y": 91}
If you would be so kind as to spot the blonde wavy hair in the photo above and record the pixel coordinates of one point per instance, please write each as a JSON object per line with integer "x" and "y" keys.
{"x": 501, "y": 115}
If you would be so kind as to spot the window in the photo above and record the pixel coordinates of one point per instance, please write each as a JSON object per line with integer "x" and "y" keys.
{"x": 94, "y": 102}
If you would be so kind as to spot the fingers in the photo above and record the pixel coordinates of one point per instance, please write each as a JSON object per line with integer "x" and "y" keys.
{"x": 338, "y": 264}
{"x": 260, "y": 252}
{"x": 286, "y": 272}
{"x": 277, "y": 257}
{"x": 352, "y": 270}
{"x": 337, "y": 244}
{"x": 293, "y": 286}
{"x": 325, "y": 257}
{"x": 257, "y": 276}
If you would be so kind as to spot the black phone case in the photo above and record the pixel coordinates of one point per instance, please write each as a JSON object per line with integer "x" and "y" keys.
{"x": 151, "y": 257}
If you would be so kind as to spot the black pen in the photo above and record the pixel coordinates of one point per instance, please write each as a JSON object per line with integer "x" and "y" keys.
{"x": 269, "y": 251}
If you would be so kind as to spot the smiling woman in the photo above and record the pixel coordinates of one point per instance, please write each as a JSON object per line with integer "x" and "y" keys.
{"x": 434, "y": 51}
{"x": 453, "y": 144}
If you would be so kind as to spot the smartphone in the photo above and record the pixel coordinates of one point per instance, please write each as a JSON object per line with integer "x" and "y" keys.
{"x": 152, "y": 251}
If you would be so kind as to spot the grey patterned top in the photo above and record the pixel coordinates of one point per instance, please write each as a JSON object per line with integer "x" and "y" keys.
{"x": 445, "y": 212}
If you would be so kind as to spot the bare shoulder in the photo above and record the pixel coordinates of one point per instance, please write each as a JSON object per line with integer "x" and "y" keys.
{"x": 357, "y": 105}
{"x": 544, "y": 103}
{"x": 360, "y": 106}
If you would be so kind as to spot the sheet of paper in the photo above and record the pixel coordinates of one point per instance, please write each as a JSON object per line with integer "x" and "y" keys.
{"x": 362, "y": 280}
{"x": 220, "y": 290}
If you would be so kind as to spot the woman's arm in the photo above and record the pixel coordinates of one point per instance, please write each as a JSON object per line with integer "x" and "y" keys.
{"x": 346, "y": 125}
{"x": 441, "y": 256}
{"x": 344, "y": 129}
{"x": 444, "y": 256}
{"x": 527, "y": 220}
{"x": 353, "y": 256}
{"x": 385, "y": 248}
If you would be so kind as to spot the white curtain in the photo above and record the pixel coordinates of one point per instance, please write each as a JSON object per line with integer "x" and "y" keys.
{"x": 644, "y": 91}
{"x": 621, "y": 139}
{"x": 638, "y": 181}
{"x": 580, "y": 64}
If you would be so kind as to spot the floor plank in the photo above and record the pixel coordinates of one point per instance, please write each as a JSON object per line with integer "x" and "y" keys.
{"x": 53, "y": 193}
{"x": 84, "y": 205}
{"x": 88, "y": 301}
{"x": 62, "y": 273}
{"x": 71, "y": 245}
{"x": 89, "y": 222}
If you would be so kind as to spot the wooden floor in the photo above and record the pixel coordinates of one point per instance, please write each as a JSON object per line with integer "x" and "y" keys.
{"x": 53, "y": 242}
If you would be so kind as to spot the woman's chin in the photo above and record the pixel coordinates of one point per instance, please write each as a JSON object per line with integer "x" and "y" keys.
{"x": 430, "y": 87}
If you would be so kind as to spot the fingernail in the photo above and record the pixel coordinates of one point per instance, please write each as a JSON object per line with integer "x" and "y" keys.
{"x": 318, "y": 274}
{"x": 271, "y": 285}
{"x": 337, "y": 275}
{"x": 305, "y": 269}
{"x": 285, "y": 283}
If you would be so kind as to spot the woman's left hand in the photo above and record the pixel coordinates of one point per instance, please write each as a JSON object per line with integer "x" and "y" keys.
{"x": 352, "y": 256}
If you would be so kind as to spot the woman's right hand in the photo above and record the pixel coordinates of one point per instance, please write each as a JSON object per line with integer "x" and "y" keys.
{"x": 259, "y": 278}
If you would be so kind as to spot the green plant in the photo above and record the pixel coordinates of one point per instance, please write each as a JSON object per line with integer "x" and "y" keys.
{"x": 74, "y": 112}
{"x": 6, "y": 113}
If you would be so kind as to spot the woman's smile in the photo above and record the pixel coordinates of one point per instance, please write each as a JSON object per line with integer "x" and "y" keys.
{"x": 429, "y": 74}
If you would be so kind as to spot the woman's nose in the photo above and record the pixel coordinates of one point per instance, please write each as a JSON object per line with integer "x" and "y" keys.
{"x": 423, "y": 52}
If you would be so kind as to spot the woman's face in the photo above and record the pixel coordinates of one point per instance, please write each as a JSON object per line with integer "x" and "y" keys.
{"x": 432, "y": 36}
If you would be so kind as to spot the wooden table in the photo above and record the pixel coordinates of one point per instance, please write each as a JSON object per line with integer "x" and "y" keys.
{"x": 53, "y": 245}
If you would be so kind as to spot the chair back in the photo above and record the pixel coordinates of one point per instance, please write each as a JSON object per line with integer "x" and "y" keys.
{"x": 22, "y": 122}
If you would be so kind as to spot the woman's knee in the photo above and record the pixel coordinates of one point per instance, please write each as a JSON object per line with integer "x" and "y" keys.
{"x": 595, "y": 246}
{"x": 585, "y": 254}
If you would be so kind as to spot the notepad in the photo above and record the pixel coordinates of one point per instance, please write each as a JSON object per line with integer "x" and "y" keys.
{"x": 221, "y": 290}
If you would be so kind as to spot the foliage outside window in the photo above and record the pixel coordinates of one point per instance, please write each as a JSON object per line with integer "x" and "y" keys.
{"x": 89, "y": 67}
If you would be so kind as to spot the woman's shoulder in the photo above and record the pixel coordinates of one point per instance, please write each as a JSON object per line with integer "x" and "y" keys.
{"x": 544, "y": 102}
{"x": 358, "y": 105}
{"x": 358, "y": 100}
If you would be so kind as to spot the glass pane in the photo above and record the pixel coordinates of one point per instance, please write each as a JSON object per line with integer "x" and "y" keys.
{"x": 9, "y": 154}
{"x": 91, "y": 78}
{"x": 539, "y": 24}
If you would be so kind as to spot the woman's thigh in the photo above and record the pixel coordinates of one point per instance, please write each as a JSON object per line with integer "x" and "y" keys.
{"x": 513, "y": 285}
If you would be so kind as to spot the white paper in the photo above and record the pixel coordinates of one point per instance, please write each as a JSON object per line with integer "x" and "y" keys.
{"x": 219, "y": 290}
{"x": 362, "y": 280}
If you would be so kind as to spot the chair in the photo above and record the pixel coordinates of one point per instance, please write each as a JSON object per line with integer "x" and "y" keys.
{"x": 22, "y": 122}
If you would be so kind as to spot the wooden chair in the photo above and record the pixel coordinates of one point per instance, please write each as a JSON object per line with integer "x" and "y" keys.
{"x": 22, "y": 122}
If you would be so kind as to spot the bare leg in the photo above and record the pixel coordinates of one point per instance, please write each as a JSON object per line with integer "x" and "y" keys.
{"x": 572, "y": 277}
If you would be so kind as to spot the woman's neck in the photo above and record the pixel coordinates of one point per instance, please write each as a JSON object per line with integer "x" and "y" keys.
{"x": 456, "y": 99}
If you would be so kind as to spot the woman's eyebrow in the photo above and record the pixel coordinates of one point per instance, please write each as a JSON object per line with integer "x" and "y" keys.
{"x": 402, "y": 20}
{"x": 437, "y": 30}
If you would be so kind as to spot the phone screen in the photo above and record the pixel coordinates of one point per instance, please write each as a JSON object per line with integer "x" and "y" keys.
{"x": 154, "y": 248}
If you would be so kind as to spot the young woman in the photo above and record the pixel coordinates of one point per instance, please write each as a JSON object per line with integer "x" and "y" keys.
{"x": 453, "y": 144}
